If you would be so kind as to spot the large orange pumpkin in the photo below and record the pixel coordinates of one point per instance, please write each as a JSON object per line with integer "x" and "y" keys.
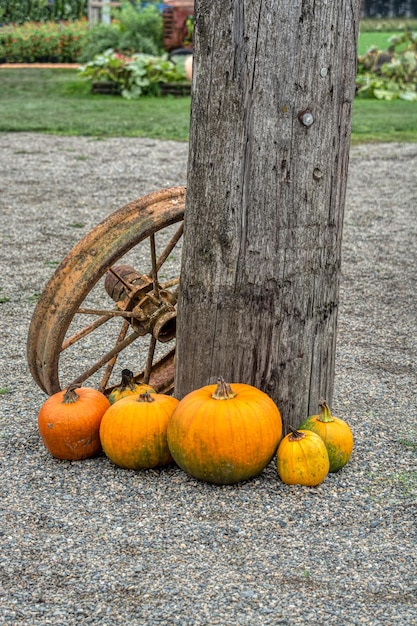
{"x": 128, "y": 387}
{"x": 224, "y": 433}
{"x": 335, "y": 433}
{"x": 69, "y": 422}
{"x": 133, "y": 431}
{"x": 302, "y": 459}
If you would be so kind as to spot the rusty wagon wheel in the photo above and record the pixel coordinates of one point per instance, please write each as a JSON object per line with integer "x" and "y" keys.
{"x": 93, "y": 313}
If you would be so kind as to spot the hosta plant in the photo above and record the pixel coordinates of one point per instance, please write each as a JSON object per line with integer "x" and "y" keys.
{"x": 137, "y": 75}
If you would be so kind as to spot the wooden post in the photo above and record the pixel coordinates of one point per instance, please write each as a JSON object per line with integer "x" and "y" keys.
{"x": 273, "y": 86}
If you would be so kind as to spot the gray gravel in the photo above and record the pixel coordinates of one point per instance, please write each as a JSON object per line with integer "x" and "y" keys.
{"x": 89, "y": 543}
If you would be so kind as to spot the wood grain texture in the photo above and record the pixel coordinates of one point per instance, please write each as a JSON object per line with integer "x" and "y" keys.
{"x": 265, "y": 197}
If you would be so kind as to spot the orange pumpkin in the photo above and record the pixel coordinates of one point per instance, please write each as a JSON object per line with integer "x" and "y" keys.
{"x": 133, "y": 431}
{"x": 335, "y": 433}
{"x": 302, "y": 459}
{"x": 128, "y": 387}
{"x": 224, "y": 433}
{"x": 69, "y": 422}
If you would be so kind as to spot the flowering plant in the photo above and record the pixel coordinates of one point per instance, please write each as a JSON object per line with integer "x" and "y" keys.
{"x": 48, "y": 42}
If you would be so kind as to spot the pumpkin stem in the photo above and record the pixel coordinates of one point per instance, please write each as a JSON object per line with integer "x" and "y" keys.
{"x": 127, "y": 380}
{"x": 223, "y": 391}
{"x": 295, "y": 435}
{"x": 145, "y": 397}
{"x": 325, "y": 414}
{"x": 70, "y": 396}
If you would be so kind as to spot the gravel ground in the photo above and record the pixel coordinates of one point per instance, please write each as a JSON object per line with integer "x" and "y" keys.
{"x": 89, "y": 543}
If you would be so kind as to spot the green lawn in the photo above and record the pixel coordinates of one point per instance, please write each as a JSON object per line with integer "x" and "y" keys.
{"x": 381, "y": 121}
{"x": 378, "y": 39}
{"x": 59, "y": 102}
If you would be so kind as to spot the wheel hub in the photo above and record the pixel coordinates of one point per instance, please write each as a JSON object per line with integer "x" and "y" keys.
{"x": 153, "y": 309}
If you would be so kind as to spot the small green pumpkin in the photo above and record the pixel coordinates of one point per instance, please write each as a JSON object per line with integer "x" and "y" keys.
{"x": 302, "y": 459}
{"x": 335, "y": 433}
{"x": 128, "y": 387}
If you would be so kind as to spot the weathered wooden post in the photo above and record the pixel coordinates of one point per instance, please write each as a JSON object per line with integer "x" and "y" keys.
{"x": 274, "y": 84}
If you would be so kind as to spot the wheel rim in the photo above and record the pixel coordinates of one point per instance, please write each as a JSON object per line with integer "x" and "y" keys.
{"x": 57, "y": 336}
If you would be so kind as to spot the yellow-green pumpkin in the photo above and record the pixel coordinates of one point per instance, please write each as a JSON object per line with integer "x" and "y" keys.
{"x": 128, "y": 387}
{"x": 302, "y": 459}
{"x": 335, "y": 433}
{"x": 133, "y": 431}
{"x": 224, "y": 433}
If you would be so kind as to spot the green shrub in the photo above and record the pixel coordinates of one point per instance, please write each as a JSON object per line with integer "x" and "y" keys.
{"x": 138, "y": 75}
{"x": 389, "y": 74}
{"x": 387, "y": 24}
{"x": 42, "y": 43}
{"x": 21, "y": 11}
{"x": 136, "y": 28}
{"x": 99, "y": 38}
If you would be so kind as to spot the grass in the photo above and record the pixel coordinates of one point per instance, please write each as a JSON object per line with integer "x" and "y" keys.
{"x": 59, "y": 102}
{"x": 381, "y": 121}
{"x": 378, "y": 39}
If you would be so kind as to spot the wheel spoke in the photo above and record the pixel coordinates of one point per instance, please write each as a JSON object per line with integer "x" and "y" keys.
{"x": 84, "y": 332}
{"x": 169, "y": 248}
{"x": 154, "y": 266}
{"x": 170, "y": 283}
{"x": 105, "y": 312}
{"x": 112, "y": 362}
{"x": 106, "y": 358}
{"x": 149, "y": 360}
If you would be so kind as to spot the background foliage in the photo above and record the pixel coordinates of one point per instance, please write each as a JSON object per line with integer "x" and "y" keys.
{"x": 133, "y": 29}
{"x": 391, "y": 73}
{"x": 20, "y": 11}
{"x": 138, "y": 75}
{"x": 43, "y": 43}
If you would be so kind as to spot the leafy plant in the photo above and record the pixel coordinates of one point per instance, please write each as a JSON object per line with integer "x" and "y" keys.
{"x": 134, "y": 29}
{"x": 49, "y": 42}
{"x": 100, "y": 38}
{"x": 387, "y": 24}
{"x": 21, "y": 11}
{"x": 389, "y": 74}
{"x": 139, "y": 26}
{"x": 138, "y": 75}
